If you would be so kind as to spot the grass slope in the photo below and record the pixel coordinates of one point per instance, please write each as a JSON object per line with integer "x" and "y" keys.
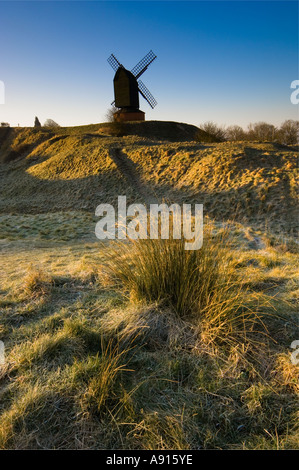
{"x": 141, "y": 346}
{"x": 76, "y": 168}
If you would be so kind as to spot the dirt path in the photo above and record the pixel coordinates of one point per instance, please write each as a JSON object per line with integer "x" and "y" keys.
{"x": 129, "y": 170}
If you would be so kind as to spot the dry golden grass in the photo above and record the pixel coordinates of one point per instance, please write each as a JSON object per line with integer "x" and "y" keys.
{"x": 173, "y": 350}
{"x": 201, "y": 285}
{"x": 37, "y": 283}
{"x": 105, "y": 372}
{"x": 73, "y": 169}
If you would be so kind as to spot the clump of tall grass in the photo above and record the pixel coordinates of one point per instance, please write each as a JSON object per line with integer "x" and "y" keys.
{"x": 199, "y": 285}
{"x": 156, "y": 270}
{"x": 37, "y": 283}
{"x": 106, "y": 370}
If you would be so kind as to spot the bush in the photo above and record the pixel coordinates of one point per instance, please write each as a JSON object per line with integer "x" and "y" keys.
{"x": 262, "y": 131}
{"x": 289, "y": 132}
{"x": 218, "y": 132}
{"x": 51, "y": 124}
{"x": 110, "y": 114}
{"x": 235, "y": 133}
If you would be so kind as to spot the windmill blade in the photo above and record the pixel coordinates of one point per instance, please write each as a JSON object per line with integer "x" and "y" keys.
{"x": 112, "y": 60}
{"x": 141, "y": 67}
{"x": 146, "y": 94}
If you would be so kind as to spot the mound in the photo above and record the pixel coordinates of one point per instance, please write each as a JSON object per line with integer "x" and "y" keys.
{"x": 159, "y": 130}
{"x": 78, "y": 168}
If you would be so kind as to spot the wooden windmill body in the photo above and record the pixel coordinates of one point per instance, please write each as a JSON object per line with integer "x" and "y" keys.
{"x": 127, "y": 87}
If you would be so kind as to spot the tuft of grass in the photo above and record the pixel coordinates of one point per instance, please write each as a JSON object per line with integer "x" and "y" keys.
{"x": 157, "y": 431}
{"x": 162, "y": 270}
{"x": 200, "y": 286}
{"x": 106, "y": 369}
{"x": 37, "y": 283}
{"x": 48, "y": 348}
{"x": 286, "y": 373}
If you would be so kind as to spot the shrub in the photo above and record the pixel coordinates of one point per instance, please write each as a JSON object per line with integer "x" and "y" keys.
{"x": 235, "y": 133}
{"x": 218, "y": 132}
{"x": 110, "y": 114}
{"x": 262, "y": 131}
{"x": 115, "y": 128}
{"x": 51, "y": 124}
{"x": 289, "y": 132}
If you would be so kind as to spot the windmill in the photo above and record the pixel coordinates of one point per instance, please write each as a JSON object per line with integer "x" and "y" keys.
{"x": 127, "y": 87}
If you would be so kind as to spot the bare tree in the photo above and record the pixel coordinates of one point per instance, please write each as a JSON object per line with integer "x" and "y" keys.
{"x": 214, "y": 130}
{"x": 262, "y": 131}
{"x": 110, "y": 114}
{"x": 289, "y": 132}
{"x": 235, "y": 133}
{"x": 50, "y": 123}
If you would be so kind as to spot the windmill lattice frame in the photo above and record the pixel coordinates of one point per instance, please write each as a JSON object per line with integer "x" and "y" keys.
{"x": 127, "y": 86}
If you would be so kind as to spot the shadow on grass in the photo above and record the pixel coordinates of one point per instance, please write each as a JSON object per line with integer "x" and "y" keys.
{"x": 247, "y": 203}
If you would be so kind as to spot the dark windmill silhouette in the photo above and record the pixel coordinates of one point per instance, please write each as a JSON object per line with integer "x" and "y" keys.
{"x": 127, "y": 87}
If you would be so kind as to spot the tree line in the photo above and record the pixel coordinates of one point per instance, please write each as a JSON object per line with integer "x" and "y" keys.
{"x": 287, "y": 133}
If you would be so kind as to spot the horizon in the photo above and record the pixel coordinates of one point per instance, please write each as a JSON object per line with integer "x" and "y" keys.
{"x": 240, "y": 59}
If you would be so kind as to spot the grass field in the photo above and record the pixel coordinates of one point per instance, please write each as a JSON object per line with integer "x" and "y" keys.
{"x": 141, "y": 346}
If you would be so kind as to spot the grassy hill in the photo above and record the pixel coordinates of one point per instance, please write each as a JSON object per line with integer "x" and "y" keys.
{"x": 76, "y": 168}
{"x": 144, "y": 345}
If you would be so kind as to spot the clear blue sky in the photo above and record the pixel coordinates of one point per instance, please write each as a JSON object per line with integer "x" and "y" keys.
{"x": 229, "y": 62}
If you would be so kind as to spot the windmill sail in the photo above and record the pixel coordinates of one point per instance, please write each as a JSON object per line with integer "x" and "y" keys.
{"x": 112, "y": 60}
{"x": 127, "y": 86}
{"x": 141, "y": 67}
{"x": 146, "y": 94}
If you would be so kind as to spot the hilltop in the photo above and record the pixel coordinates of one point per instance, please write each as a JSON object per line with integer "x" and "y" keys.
{"x": 76, "y": 168}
